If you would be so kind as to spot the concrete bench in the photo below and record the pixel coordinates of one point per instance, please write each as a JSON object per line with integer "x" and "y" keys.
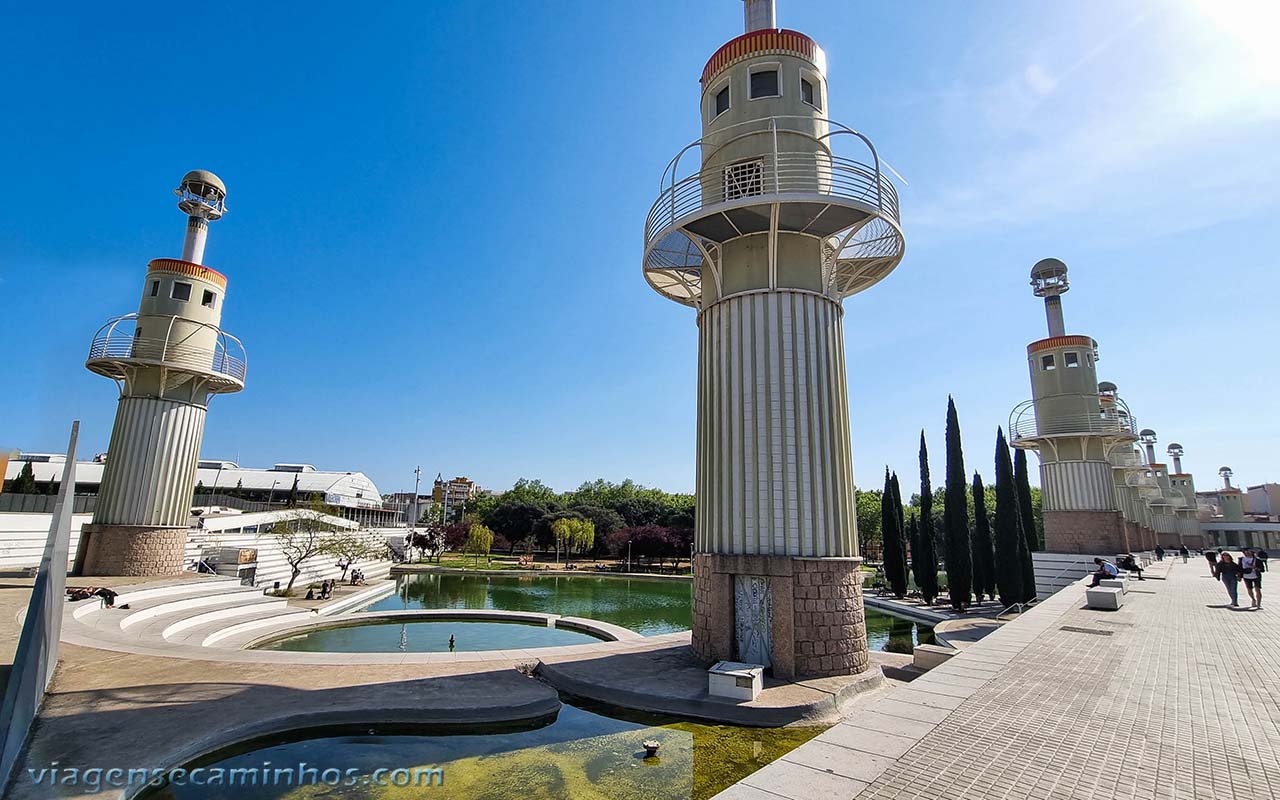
{"x": 1106, "y": 598}
{"x": 1121, "y": 583}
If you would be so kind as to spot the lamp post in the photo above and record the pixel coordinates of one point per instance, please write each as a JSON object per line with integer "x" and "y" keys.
{"x": 628, "y": 555}
{"x": 271, "y": 497}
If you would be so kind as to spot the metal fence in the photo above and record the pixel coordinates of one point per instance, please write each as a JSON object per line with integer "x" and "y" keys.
{"x": 44, "y": 503}
{"x": 37, "y": 653}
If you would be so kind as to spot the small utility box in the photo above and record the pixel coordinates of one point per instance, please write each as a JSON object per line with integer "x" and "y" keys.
{"x": 735, "y": 680}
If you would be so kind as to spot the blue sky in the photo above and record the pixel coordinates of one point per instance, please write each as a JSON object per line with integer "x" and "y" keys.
{"x": 436, "y": 213}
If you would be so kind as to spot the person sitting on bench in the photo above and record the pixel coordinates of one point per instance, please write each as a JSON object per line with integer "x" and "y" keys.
{"x": 1130, "y": 564}
{"x": 1105, "y": 570}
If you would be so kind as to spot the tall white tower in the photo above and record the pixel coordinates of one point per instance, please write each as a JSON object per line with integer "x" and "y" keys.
{"x": 1230, "y": 499}
{"x": 168, "y": 359}
{"x": 764, "y": 225}
{"x": 1075, "y": 430}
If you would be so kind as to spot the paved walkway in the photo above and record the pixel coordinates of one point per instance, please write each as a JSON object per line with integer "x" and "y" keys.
{"x": 1174, "y": 696}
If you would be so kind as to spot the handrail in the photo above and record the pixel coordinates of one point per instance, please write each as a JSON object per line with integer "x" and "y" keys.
{"x": 1024, "y": 424}
{"x": 115, "y": 343}
{"x": 788, "y": 171}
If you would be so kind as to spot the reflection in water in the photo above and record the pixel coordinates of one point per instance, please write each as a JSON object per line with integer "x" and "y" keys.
{"x": 428, "y": 637}
{"x": 647, "y": 606}
{"x": 589, "y": 751}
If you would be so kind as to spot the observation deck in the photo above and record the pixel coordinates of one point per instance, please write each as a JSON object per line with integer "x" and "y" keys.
{"x": 802, "y": 187}
{"x": 117, "y": 352}
{"x": 1117, "y": 425}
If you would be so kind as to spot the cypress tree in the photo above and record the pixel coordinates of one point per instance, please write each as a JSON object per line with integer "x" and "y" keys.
{"x": 1035, "y": 539}
{"x": 1009, "y": 542}
{"x": 293, "y": 493}
{"x": 902, "y": 516}
{"x": 25, "y": 483}
{"x": 955, "y": 517}
{"x": 927, "y": 554}
{"x": 913, "y": 536}
{"x": 895, "y": 556}
{"x": 984, "y": 568}
{"x": 1027, "y": 516}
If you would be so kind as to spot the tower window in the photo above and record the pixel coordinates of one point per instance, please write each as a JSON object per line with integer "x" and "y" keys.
{"x": 764, "y": 84}
{"x": 809, "y": 93}
{"x": 155, "y": 288}
{"x": 181, "y": 291}
{"x": 722, "y": 102}
{"x": 744, "y": 179}
{"x": 1071, "y": 359}
{"x": 1047, "y": 363}
{"x": 208, "y": 299}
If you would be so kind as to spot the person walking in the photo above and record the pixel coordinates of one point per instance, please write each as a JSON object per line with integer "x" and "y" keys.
{"x": 1251, "y": 570}
{"x": 1159, "y": 553}
{"x": 1212, "y": 558}
{"x": 1182, "y": 551}
{"x": 1229, "y": 573}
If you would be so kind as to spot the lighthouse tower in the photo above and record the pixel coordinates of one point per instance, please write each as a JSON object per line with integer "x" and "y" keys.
{"x": 1230, "y": 499}
{"x": 764, "y": 225}
{"x": 168, "y": 360}
{"x": 1073, "y": 430}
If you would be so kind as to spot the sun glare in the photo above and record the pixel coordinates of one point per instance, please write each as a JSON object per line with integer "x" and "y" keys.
{"x": 1253, "y": 26}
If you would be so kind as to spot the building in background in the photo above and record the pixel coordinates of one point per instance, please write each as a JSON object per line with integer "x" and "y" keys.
{"x": 452, "y": 495}
{"x": 347, "y": 494}
{"x": 1226, "y": 523}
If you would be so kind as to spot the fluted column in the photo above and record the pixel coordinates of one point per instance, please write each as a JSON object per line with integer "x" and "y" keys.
{"x": 155, "y": 446}
{"x": 775, "y": 470}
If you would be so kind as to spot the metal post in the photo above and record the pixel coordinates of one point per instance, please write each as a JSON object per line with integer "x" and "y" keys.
{"x": 628, "y": 555}
{"x": 417, "y": 483}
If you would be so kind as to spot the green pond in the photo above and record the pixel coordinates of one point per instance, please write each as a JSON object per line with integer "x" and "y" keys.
{"x": 647, "y": 606}
{"x": 429, "y": 637}
{"x": 587, "y": 752}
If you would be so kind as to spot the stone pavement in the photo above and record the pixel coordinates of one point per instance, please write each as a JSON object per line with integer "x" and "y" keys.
{"x": 1174, "y": 696}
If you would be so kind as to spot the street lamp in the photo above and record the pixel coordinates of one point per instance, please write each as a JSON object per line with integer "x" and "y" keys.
{"x": 271, "y": 498}
{"x": 628, "y": 555}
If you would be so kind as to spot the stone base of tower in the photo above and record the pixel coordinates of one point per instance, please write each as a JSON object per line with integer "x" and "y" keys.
{"x": 130, "y": 550}
{"x": 1089, "y": 532}
{"x": 818, "y": 628}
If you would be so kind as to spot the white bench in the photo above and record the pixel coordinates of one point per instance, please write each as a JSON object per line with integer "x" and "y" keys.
{"x": 1106, "y": 598}
{"x": 1121, "y": 583}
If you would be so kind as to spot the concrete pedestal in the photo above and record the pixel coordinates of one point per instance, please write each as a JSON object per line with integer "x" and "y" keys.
{"x": 130, "y": 550}
{"x": 818, "y": 628}
{"x": 1086, "y": 532}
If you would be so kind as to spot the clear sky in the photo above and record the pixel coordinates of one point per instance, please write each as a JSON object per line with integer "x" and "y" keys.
{"x": 436, "y": 213}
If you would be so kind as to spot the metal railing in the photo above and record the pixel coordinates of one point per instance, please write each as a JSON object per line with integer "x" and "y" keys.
{"x": 117, "y": 341}
{"x": 1023, "y": 423}
{"x": 815, "y": 171}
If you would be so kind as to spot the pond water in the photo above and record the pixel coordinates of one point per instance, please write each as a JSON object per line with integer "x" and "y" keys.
{"x": 587, "y": 752}
{"x": 647, "y": 606}
{"x": 428, "y": 637}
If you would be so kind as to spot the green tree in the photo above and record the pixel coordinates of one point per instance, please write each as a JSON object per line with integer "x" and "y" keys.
{"x": 924, "y": 559}
{"x": 562, "y": 529}
{"x": 869, "y": 507}
{"x": 293, "y": 493}
{"x": 350, "y": 546}
{"x": 25, "y": 483}
{"x": 895, "y": 551}
{"x": 1009, "y": 544}
{"x": 1030, "y": 523}
{"x": 1027, "y": 518}
{"x": 479, "y": 541}
{"x": 984, "y": 567}
{"x": 956, "y": 517}
{"x": 304, "y": 537}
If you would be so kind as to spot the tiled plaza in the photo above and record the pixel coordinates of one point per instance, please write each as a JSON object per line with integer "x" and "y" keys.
{"x": 1173, "y": 696}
